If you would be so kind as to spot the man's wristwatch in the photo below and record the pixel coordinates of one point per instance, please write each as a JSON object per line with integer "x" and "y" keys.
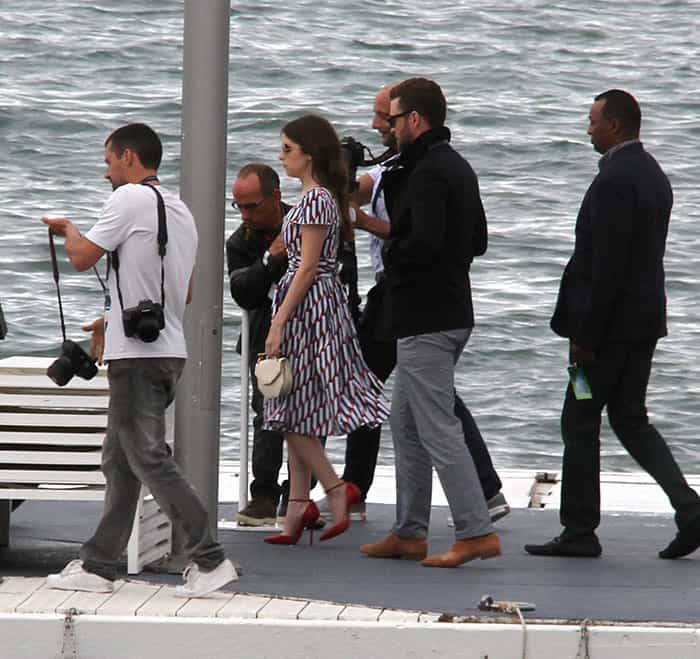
{"x": 266, "y": 257}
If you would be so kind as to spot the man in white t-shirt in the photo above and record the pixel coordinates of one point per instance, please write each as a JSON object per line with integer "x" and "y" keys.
{"x": 145, "y": 351}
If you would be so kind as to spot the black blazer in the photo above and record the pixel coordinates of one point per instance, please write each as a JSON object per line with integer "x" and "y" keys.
{"x": 438, "y": 225}
{"x": 613, "y": 287}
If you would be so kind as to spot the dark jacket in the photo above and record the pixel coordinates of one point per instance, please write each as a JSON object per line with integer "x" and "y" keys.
{"x": 250, "y": 280}
{"x": 613, "y": 287}
{"x": 438, "y": 226}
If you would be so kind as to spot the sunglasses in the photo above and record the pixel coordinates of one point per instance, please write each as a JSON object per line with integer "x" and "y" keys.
{"x": 391, "y": 119}
{"x": 247, "y": 207}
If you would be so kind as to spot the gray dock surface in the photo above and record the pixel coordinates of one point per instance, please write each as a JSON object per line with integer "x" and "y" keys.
{"x": 628, "y": 583}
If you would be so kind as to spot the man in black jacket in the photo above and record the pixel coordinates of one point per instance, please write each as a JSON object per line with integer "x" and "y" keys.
{"x": 612, "y": 308}
{"x": 256, "y": 260}
{"x": 362, "y": 446}
{"x": 437, "y": 226}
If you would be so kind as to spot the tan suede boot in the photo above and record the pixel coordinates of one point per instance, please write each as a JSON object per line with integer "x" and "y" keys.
{"x": 410, "y": 549}
{"x": 486, "y": 546}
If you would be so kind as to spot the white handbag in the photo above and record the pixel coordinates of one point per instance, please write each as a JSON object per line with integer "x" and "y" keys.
{"x": 274, "y": 375}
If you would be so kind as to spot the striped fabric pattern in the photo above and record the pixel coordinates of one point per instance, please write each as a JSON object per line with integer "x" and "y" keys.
{"x": 334, "y": 392}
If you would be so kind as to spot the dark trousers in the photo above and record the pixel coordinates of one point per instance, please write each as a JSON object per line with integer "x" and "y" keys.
{"x": 135, "y": 452}
{"x": 267, "y": 450}
{"x": 618, "y": 378}
{"x": 362, "y": 446}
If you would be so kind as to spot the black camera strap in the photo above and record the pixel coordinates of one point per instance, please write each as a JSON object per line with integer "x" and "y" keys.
{"x": 162, "y": 237}
{"x": 54, "y": 266}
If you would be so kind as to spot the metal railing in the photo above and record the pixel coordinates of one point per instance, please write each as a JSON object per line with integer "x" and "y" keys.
{"x": 245, "y": 406}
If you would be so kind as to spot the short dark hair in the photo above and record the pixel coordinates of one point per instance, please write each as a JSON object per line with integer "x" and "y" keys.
{"x": 424, "y": 96}
{"x": 622, "y": 106}
{"x": 141, "y": 139}
{"x": 269, "y": 180}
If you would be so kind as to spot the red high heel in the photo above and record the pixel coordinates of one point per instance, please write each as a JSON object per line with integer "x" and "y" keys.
{"x": 308, "y": 521}
{"x": 352, "y": 495}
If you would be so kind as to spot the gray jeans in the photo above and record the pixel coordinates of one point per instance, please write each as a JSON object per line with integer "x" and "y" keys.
{"x": 135, "y": 452}
{"x": 427, "y": 434}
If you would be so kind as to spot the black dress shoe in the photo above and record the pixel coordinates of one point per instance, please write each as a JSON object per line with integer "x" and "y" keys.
{"x": 586, "y": 547}
{"x": 685, "y": 542}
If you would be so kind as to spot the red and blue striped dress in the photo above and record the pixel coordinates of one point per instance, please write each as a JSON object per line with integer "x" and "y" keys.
{"x": 334, "y": 392}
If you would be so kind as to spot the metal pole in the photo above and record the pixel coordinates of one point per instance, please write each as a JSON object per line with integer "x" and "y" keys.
{"x": 245, "y": 393}
{"x": 203, "y": 189}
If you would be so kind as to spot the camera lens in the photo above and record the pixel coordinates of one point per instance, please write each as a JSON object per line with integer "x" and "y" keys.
{"x": 88, "y": 369}
{"x": 148, "y": 329}
{"x": 60, "y": 371}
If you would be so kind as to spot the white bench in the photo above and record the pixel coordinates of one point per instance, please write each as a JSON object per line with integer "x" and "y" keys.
{"x": 51, "y": 445}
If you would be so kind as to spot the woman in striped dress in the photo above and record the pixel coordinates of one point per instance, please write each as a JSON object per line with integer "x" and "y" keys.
{"x": 333, "y": 392}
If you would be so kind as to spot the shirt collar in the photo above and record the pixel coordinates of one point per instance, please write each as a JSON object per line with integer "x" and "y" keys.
{"x": 613, "y": 150}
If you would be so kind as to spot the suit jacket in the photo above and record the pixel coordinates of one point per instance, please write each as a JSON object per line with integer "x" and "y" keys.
{"x": 438, "y": 226}
{"x": 613, "y": 287}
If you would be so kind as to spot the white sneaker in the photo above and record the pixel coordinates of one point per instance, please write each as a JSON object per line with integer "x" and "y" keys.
{"x": 198, "y": 583}
{"x": 74, "y": 577}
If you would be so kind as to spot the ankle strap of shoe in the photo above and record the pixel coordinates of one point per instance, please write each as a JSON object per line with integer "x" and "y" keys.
{"x": 335, "y": 487}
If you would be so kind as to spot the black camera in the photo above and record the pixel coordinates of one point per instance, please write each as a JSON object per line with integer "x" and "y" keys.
{"x": 73, "y": 361}
{"x": 144, "y": 321}
{"x": 354, "y": 157}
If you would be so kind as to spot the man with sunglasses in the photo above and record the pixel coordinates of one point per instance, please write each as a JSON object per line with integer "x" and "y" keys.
{"x": 437, "y": 227}
{"x": 362, "y": 446}
{"x": 256, "y": 259}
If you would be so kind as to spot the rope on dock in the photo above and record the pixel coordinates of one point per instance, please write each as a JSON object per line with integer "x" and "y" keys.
{"x": 583, "y": 652}
{"x": 69, "y": 649}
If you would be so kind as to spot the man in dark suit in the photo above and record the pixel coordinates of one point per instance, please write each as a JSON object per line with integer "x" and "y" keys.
{"x": 612, "y": 308}
{"x": 438, "y": 226}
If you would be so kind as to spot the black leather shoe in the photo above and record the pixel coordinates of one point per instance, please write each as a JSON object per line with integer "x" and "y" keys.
{"x": 685, "y": 542}
{"x": 585, "y": 547}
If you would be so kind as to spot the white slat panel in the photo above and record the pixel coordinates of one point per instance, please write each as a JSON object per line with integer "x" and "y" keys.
{"x": 149, "y": 506}
{"x": 44, "y": 600}
{"x": 45, "y": 401}
{"x": 152, "y": 554}
{"x": 282, "y": 609}
{"x": 205, "y": 607}
{"x": 17, "y": 384}
{"x": 72, "y": 477}
{"x": 21, "y": 584}
{"x": 153, "y": 523}
{"x": 243, "y": 606}
{"x": 51, "y": 457}
{"x": 128, "y": 599}
{"x": 360, "y": 613}
{"x": 162, "y": 604}
{"x": 52, "y": 439}
{"x": 19, "y": 364}
{"x": 321, "y": 611}
{"x": 154, "y": 537}
{"x": 41, "y": 419}
{"x": 43, "y": 494}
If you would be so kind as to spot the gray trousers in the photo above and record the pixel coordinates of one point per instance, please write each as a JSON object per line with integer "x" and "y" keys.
{"x": 135, "y": 452}
{"x": 427, "y": 434}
